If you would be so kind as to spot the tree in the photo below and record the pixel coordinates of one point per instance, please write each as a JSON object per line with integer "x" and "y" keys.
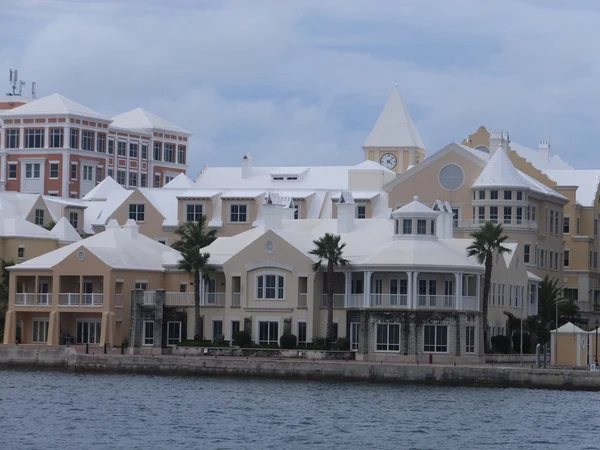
{"x": 487, "y": 241}
{"x": 551, "y": 294}
{"x": 329, "y": 248}
{"x": 4, "y": 290}
{"x": 193, "y": 237}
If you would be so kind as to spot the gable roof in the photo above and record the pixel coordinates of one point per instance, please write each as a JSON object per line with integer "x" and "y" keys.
{"x": 394, "y": 127}
{"x": 64, "y": 231}
{"x": 569, "y": 328}
{"x": 17, "y": 203}
{"x": 54, "y": 104}
{"x": 102, "y": 190}
{"x": 142, "y": 120}
{"x": 118, "y": 247}
{"x": 181, "y": 181}
{"x": 15, "y": 226}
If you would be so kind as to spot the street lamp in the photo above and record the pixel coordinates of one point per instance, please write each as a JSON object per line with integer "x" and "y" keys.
{"x": 596, "y": 343}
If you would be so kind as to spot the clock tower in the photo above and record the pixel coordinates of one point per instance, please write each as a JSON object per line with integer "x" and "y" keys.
{"x": 394, "y": 141}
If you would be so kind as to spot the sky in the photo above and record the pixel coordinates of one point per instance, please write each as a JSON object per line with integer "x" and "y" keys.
{"x": 303, "y": 82}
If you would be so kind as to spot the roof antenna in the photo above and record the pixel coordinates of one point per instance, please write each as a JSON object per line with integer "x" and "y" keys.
{"x": 33, "y": 92}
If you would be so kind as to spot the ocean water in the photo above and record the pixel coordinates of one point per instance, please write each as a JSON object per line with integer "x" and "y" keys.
{"x": 59, "y": 410}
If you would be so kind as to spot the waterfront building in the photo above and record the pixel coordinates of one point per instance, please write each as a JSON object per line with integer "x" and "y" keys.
{"x": 56, "y": 146}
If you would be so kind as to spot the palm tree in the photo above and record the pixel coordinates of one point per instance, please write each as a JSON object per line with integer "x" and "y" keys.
{"x": 328, "y": 248}
{"x": 193, "y": 237}
{"x": 551, "y": 301}
{"x": 487, "y": 241}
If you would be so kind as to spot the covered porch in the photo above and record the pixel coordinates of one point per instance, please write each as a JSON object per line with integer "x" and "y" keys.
{"x": 404, "y": 290}
{"x": 81, "y": 290}
{"x": 33, "y": 290}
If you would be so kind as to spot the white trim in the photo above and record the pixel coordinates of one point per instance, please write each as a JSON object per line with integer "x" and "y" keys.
{"x": 447, "y": 352}
{"x": 12, "y": 163}
{"x": 144, "y": 322}
{"x": 375, "y": 335}
{"x": 180, "y": 331}
{"x": 231, "y": 203}
{"x": 263, "y": 274}
{"x": 440, "y": 173}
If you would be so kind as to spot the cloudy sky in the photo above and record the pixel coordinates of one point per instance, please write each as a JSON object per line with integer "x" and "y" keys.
{"x": 302, "y": 82}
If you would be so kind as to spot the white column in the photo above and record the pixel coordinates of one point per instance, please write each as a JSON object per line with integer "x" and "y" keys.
{"x": 2, "y": 138}
{"x": 458, "y": 290}
{"x": 67, "y": 137}
{"x": 202, "y": 290}
{"x": 579, "y": 350}
{"x": 409, "y": 289}
{"x": 21, "y": 138}
{"x": 479, "y": 296}
{"x": 66, "y": 175}
{"x": 46, "y": 137}
{"x": 367, "y": 289}
{"x": 414, "y": 301}
{"x": 348, "y": 280}
{"x": 3, "y": 168}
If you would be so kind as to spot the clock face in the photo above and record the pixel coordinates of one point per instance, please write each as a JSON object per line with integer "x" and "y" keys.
{"x": 388, "y": 161}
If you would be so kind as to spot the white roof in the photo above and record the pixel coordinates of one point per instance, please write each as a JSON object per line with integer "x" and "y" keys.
{"x": 370, "y": 243}
{"x": 142, "y": 120}
{"x": 394, "y": 127}
{"x": 242, "y": 193}
{"x": 54, "y": 104}
{"x": 569, "y": 328}
{"x": 538, "y": 159}
{"x": 16, "y": 226}
{"x": 358, "y": 195}
{"x": 367, "y": 164}
{"x": 415, "y": 209}
{"x": 533, "y": 277}
{"x": 64, "y": 231}
{"x": 17, "y": 203}
{"x": 98, "y": 212}
{"x": 181, "y": 181}
{"x": 15, "y": 99}
{"x": 102, "y": 190}
{"x": 118, "y": 247}
{"x": 585, "y": 180}
{"x": 500, "y": 172}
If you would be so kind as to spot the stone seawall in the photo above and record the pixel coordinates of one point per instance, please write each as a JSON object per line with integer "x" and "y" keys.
{"x": 302, "y": 369}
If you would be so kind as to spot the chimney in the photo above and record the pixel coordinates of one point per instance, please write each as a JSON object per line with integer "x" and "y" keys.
{"x": 272, "y": 212}
{"x": 499, "y": 139}
{"x": 444, "y": 226}
{"x": 112, "y": 224}
{"x": 246, "y": 166}
{"x": 544, "y": 150}
{"x": 346, "y": 212}
{"x": 131, "y": 228}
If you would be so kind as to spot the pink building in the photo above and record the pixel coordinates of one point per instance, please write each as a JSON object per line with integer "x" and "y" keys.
{"x": 55, "y": 146}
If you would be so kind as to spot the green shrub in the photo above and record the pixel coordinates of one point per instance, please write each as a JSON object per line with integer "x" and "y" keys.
{"x": 342, "y": 344}
{"x": 242, "y": 339}
{"x": 288, "y": 341}
{"x": 517, "y": 342}
{"x": 191, "y": 343}
{"x": 501, "y": 344}
{"x": 319, "y": 343}
{"x": 219, "y": 341}
{"x": 125, "y": 344}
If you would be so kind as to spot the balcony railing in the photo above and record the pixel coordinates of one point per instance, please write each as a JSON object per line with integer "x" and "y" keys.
{"x": 513, "y": 223}
{"x": 389, "y": 300}
{"x": 303, "y": 300}
{"x": 339, "y": 301}
{"x": 436, "y": 302}
{"x": 25, "y": 298}
{"x": 76, "y": 299}
{"x": 44, "y": 299}
{"x": 214, "y": 299}
{"x": 236, "y": 299}
{"x": 470, "y": 303}
{"x": 179, "y": 299}
{"x": 356, "y": 301}
{"x": 149, "y": 298}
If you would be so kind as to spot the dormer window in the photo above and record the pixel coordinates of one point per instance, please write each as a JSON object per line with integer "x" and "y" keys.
{"x": 421, "y": 226}
{"x": 407, "y": 226}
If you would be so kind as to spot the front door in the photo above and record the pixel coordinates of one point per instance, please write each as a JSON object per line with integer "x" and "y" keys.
{"x": 173, "y": 333}
{"x": 88, "y": 332}
{"x": 354, "y": 328}
{"x": 43, "y": 290}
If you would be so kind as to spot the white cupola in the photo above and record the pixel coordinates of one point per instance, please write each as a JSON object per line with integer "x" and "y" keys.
{"x": 415, "y": 221}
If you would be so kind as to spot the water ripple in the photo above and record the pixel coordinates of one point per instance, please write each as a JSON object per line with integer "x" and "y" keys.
{"x": 76, "y": 411}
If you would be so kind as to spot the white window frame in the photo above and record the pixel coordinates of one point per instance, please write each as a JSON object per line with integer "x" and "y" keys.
{"x": 567, "y": 258}
{"x": 470, "y": 347}
{"x": 354, "y": 336}
{"x": 261, "y": 291}
{"x": 270, "y": 339}
{"x": 147, "y": 341}
{"x": 169, "y": 344}
{"x": 74, "y": 217}
{"x": 21, "y": 252}
{"x": 37, "y": 217}
{"x": 57, "y": 165}
{"x": 33, "y": 166}
{"x": 435, "y": 345}
{"x": 230, "y": 212}
{"x": 87, "y": 173}
{"x": 305, "y": 342}
{"x": 361, "y": 211}
{"x": 137, "y": 212}
{"x": 15, "y": 165}
{"x": 45, "y": 325}
{"x": 195, "y": 205}
{"x": 387, "y": 342}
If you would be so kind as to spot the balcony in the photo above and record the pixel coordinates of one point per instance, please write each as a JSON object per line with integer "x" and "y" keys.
{"x": 436, "y": 302}
{"x": 339, "y": 301}
{"x": 470, "y": 303}
{"x": 181, "y": 299}
{"x": 214, "y": 299}
{"x": 303, "y": 300}
{"x": 514, "y": 223}
{"x": 236, "y": 299}
{"x": 90, "y": 300}
{"x": 25, "y": 299}
{"x": 389, "y": 300}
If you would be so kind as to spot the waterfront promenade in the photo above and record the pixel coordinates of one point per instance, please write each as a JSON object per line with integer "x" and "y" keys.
{"x": 66, "y": 358}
